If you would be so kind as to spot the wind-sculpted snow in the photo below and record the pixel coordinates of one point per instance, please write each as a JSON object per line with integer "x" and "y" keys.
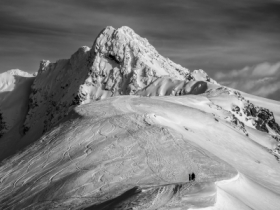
{"x": 136, "y": 152}
{"x": 102, "y": 150}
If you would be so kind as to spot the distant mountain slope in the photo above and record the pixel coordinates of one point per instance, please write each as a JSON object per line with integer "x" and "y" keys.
{"x": 14, "y": 92}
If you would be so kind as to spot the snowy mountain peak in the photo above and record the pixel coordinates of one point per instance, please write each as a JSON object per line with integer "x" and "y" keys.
{"x": 130, "y": 50}
{"x": 120, "y": 62}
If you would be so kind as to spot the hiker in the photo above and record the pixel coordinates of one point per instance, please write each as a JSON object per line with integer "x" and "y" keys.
{"x": 193, "y": 176}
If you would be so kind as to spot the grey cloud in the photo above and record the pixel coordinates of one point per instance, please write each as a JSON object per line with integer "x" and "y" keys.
{"x": 213, "y": 35}
{"x": 262, "y": 79}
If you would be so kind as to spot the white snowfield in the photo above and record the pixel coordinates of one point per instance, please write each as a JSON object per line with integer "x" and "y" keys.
{"x": 118, "y": 126}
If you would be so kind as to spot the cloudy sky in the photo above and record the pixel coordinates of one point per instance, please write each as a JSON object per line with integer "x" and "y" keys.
{"x": 223, "y": 37}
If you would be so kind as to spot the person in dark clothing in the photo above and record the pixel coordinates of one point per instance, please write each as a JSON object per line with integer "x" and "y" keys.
{"x": 193, "y": 176}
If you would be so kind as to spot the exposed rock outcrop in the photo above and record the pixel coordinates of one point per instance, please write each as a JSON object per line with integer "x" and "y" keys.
{"x": 260, "y": 118}
{"x": 263, "y": 118}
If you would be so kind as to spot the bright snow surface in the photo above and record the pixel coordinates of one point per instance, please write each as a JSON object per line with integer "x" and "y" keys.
{"x": 105, "y": 148}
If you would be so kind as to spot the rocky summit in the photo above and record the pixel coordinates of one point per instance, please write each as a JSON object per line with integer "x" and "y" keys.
{"x": 119, "y": 126}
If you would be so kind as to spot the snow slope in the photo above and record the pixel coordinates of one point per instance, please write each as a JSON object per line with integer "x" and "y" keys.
{"x": 105, "y": 149}
{"x": 118, "y": 126}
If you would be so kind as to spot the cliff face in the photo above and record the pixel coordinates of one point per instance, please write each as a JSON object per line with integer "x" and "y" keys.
{"x": 55, "y": 90}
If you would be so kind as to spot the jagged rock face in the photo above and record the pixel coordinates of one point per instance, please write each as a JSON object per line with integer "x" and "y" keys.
{"x": 124, "y": 63}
